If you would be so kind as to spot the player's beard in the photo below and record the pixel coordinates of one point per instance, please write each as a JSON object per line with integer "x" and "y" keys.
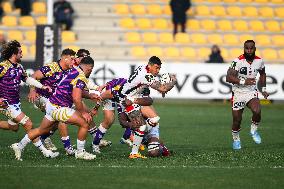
{"x": 249, "y": 57}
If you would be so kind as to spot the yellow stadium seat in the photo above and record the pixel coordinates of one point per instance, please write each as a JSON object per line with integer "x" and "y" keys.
{"x": 127, "y": 23}
{"x": 7, "y": 7}
{"x": 277, "y": 1}
{"x": 278, "y": 40}
{"x": 240, "y": 25}
{"x": 155, "y": 51}
{"x": 15, "y": 35}
{"x": 279, "y": 12}
{"x": 27, "y": 21}
{"x": 188, "y": 52}
{"x": 30, "y": 35}
{"x": 154, "y": 9}
{"x": 215, "y": 1}
{"x": 236, "y": 52}
{"x": 24, "y": 50}
{"x": 198, "y": 38}
{"x": 234, "y": 11}
{"x": 166, "y": 38}
{"x": 215, "y": 39}
{"x": 256, "y": 25}
{"x": 281, "y": 54}
{"x": 203, "y": 10}
{"x": 39, "y": 7}
{"x": 121, "y": 9}
{"x": 167, "y": 10}
{"x": 149, "y": 37}
{"x": 9, "y": 21}
{"x": 208, "y": 24}
{"x": 160, "y": 23}
{"x": 193, "y": 24}
{"x": 73, "y": 47}
{"x": 244, "y": 37}
{"x": 219, "y": 11}
{"x": 41, "y": 20}
{"x": 138, "y": 9}
{"x": 262, "y": 39}
{"x": 32, "y": 50}
{"x": 262, "y": 1}
{"x": 68, "y": 36}
{"x": 138, "y": 51}
{"x": 245, "y": 1}
{"x": 266, "y": 12}
{"x": 269, "y": 54}
{"x": 133, "y": 37}
{"x": 182, "y": 38}
{"x": 203, "y": 52}
{"x": 225, "y": 54}
{"x": 250, "y": 11}
{"x": 143, "y": 23}
{"x": 273, "y": 26}
{"x": 171, "y": 52}
{"x": 282, "y": 25}
{"x": 224, "y": 25}
{"x": 229, "y": 1}
{"x": 231, "y": 39}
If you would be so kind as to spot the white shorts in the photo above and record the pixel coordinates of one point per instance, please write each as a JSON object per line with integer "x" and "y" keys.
{"x": 152, "y": 132}
{"x": 58, "y": 113}
{"x": 240, "y": 100}
{"x": 108, "y": 105}
{"x": 11, "y": 112}
{"x": 40, "y": 103}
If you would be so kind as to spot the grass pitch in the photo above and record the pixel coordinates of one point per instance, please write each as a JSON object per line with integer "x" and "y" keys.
{"x": 198, "y": 133}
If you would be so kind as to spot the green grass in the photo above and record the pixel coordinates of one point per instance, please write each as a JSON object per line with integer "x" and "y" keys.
{"x": 198, "y": 133}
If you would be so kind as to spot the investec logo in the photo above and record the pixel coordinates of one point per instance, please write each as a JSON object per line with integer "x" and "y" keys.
{"x": 48, "y": 44}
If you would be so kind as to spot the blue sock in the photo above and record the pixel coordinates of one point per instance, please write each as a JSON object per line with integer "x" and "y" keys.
{"x": 66, "y": 142}
{"x": 100, "y": 132}
{"x": 43, "y": 137}
{"x": 127, "y": 133}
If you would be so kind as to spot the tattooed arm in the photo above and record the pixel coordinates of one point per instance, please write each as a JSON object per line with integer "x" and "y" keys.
{"x": 232, "y": 77}
{"x": 164, "y": 88}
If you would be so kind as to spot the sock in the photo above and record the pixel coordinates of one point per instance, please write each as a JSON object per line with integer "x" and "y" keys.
{"x": 43, "y": 137}
{"x": 99, "y": 135}
{"x": 236, "y": 136}
{"x": 40, "y": 146}
{"x": 92, "y": 131}
{"x": 127, "y": 133}
{"x": 137, "y": 139}
{"x": 80, "y": 145}
{"x": 22, "y": 144}
{"x": 253, "y": 127}
{"x": 66, "y": 142}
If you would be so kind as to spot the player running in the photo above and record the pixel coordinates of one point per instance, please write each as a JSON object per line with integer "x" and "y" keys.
{"x": 242, "y": 74}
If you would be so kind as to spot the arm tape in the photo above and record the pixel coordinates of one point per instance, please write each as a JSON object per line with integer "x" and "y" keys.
{"x": 32, "y": 82}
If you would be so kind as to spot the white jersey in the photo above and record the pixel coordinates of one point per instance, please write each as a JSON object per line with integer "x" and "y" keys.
{"x": 246, "y": 70}
{"x": 140, "y": 79}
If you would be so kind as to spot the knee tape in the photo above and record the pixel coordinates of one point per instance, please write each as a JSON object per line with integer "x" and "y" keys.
{"x": 153, "y": 121}
{"x": 153, "y": 146}
{"x": 24, "y": 120}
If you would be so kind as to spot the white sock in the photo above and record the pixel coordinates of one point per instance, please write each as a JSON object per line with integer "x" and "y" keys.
{"x": 102, "y": 129}
{"x": 236, "y": 136}
{"x": 22, "y": 144}
{"x": 40, "y": 146}
{"x": 80, "y": 145}
{"x": 137, "y": 139}
{"x": 253, "y": 127}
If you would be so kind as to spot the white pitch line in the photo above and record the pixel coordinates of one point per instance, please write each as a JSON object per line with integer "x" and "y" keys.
{"x": 150, "y": 167}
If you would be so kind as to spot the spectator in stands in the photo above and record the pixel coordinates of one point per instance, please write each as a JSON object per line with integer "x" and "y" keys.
{"x": 215, "y": 56}
{"x": 2, "y": 42}
{"x": 1, "y": 9}
{"x": 179, "y": 9}
{"x": 63, "y": 13}
{"x": 24, "y": 5}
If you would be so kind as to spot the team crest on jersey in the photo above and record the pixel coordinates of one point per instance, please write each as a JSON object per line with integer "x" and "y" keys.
{"x": 243, "y": 70}
{"x": 233, "y": 64}
{"x": 80, "y": 84}
{"x": 149, "y": 78}
{"x": 46, "y": 69}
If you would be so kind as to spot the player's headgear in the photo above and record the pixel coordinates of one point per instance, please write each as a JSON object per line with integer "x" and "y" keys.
{"x": 9, "y": 49}
{"x": 87, "y": 60}
{"x": 82, "y": 53}
{"x": 155, "y": 60}
{"x": 68, "y": 52}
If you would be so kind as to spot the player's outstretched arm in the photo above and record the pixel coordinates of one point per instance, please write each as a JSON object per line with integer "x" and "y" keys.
{"x": 164, "y": 88}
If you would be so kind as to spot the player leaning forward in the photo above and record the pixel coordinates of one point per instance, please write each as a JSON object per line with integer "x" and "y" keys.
{"x": 71, "y": 89}
{"x": 143, "y": 76}
{"x": 242, "y": 74}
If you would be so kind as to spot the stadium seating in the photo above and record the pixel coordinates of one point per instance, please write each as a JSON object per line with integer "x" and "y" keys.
{"x": 27, "y": 21}
{"x": 155, "y": 51}
{"x": 234, "y": 11}
{"x": 203, "y": 52}
{"x": 133, "y": 37}
{"x": 240, "y": 25}
{"x": 154, "y": 9}
{"x": 15, "y": 35}
{"x": 269, "y": 54}
{"x": 150, "y": 37}
{"x": 188, "y": 52}
{"x": 198, "y": 38}
{"x": 7, "y": 7}
{"x": 121, "y": 9}
{"x": 166, "y": 38}
{"x": 278, "y": 40}
{"x": 127, "y": 23}
{"x": 30, "y": 35}
{"x": 172, "y": 52}
{"x": 215, "y": 39}
{"x": 41, "y": 20}
{"x": 68, "y": 36}
{"x": 10, "y": 21}
{"x": 138, "y": 51}
{"x": 160, "y": 23}
{"x": 182, "y": 38}
{"x": 39, "y": 8}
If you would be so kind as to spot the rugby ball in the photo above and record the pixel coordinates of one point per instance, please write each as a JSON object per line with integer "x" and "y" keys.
{"x": 165, "y": 78}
